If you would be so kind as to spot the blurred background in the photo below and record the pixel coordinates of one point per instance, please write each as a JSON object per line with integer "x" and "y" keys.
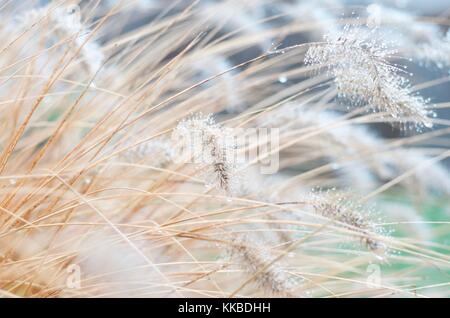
{"x": 259, "y": 15}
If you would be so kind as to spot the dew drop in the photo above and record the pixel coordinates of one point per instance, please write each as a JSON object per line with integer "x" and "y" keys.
{"x": 282, "y": 79}
{"x": 335, "y": 166}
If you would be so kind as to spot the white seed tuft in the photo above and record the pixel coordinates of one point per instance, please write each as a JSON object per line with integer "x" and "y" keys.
{"x": 256, "y": 260}
{"x": 341, "y": 208}
{"x": 357, "y": 59}
{"x": 202, "y": 141}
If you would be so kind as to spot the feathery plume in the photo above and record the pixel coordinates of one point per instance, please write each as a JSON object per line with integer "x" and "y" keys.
{"x": 337, "y": 206}
{"x": 423, "y": 41}
{"x": 157, "y": 150}
{"x": 436, "y": 52}
{"x": 63, "y": 24}
{"x": 357, "y": 58}
{"x": 254, "y": 259}
{"x": 200, "y": 139}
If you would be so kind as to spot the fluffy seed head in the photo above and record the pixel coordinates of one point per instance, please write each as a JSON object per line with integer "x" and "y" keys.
{"x": 357, "y": 59}
{"x": 423, "y": 41}
{"x": 208, "y": 145}
{"x": 254, "y": 260}
{"x": 339, "y": 207}
{"x": 63, "y": 23}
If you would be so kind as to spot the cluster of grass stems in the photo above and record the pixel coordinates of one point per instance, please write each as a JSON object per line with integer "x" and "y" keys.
{"x": 94, "y": 95}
